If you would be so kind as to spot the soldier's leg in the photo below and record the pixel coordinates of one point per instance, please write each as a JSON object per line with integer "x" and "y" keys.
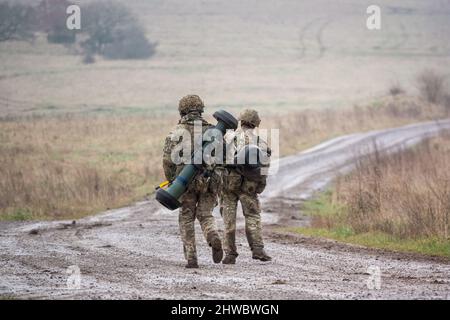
{"x": 253, "y": 230}
{"x": 206, "y": 203}
{"x": 228, "y": 210}
{"x": 186, "y": 220}
{"x": 251, "y": 210}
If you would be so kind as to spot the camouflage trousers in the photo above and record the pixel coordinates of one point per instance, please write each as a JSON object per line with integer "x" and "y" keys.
{"x": 196, "y": 205}
{"x": 251, "y": 209}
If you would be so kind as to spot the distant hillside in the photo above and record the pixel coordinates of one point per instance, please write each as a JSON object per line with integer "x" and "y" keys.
{"x": 275, "y": 55}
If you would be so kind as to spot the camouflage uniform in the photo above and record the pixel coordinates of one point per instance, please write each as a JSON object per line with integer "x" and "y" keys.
{"x": 237, "y": 187}
{"x": 202, "y": 193}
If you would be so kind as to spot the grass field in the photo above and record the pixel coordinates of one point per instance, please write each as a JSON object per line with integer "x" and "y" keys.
{"x": 278, "y": 56}
{"x": 73, "y": 165}
{"x": 398, "y": 202}
{"x": 77, "y": 139}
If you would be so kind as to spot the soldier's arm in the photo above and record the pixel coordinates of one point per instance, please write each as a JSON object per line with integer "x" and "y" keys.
{"x": 169, "y": 167}
{"x": 262, "y": 144}
{"x": 229, "y": 147}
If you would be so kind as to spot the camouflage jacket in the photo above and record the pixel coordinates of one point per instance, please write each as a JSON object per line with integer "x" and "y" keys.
{"x": 178, "y": 139}
{"x": 233, "y": 180}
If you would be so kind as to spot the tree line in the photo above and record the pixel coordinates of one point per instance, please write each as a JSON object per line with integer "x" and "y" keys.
{"x": 109, "y": 29}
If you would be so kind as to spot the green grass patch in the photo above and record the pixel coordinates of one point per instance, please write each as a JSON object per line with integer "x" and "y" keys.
{"x": 322, "y": 207}
{"x": 433, "y": 247}
{"x": 17, "y": 214}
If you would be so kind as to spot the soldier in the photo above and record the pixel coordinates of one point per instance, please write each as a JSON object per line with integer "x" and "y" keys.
{"x": 201, "y": 196}
{"x": 237, "y": 187}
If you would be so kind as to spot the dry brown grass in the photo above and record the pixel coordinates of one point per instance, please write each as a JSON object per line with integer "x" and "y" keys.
{"x": 431, "y": 85}
{"x": 69, "y": 166}
{"x": 406, "y": 194}
{"x": 304, "y": 129}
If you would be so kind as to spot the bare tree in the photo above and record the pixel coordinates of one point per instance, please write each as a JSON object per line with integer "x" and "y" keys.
{"x": 114, "y": 32}
{"x": 51, "y": 18}
{"x": 130, "y": 43}
{"x": 16, "y": 22}
{"x": 101, "y": 20}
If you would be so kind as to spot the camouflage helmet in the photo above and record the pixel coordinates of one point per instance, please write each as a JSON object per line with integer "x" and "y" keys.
{"x": 190, "y": 103}
{"x": 249, "y": 116}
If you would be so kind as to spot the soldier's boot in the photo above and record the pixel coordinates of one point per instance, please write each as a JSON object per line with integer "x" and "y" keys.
{"x": 260, "y": 254}
{"x": 216, "y": 245}
{"x": 229, "y": 259}
{"x": 192, "y": 264}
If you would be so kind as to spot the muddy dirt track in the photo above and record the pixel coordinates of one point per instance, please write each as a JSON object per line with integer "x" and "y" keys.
{"x": 136, "y": 252}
